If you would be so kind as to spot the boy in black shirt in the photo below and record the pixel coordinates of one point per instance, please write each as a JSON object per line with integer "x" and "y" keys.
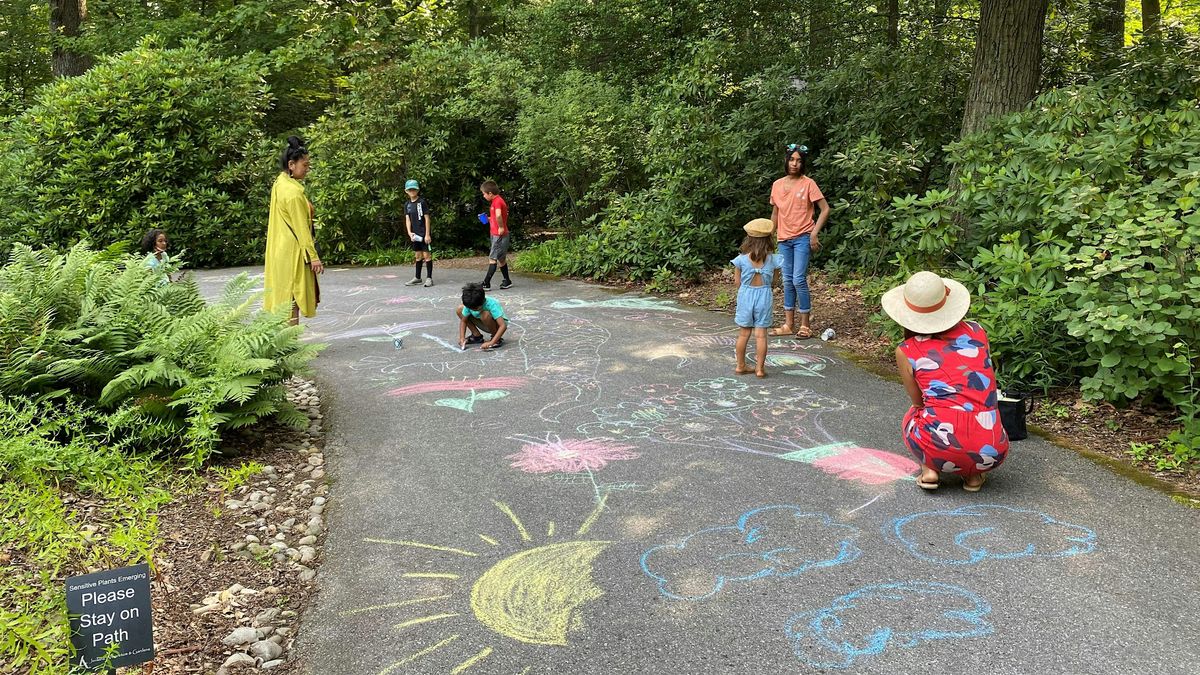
{"x": 420, "y": 231}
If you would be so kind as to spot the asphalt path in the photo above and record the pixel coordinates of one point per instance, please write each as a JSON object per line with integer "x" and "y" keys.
{"x": 602, "y": 495}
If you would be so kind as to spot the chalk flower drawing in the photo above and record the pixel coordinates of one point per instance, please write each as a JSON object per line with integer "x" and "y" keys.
{"x": 873, "y": 619}
{"x": 571, "y": 455}
{"x": 534, "y": 596}
{"x": 973, "y": 534}
{"x": 781, "y": 541}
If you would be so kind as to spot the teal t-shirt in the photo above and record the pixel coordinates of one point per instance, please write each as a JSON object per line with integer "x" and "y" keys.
{"x": 489, "y": 305}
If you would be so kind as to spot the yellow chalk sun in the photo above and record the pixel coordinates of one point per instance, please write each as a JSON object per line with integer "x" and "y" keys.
{"x": 535, "y": 596}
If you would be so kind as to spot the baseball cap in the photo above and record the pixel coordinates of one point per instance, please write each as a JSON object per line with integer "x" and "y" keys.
{"x": 412, "y": 185}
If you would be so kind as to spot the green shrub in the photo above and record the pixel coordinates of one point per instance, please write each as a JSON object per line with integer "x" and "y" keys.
{"x": 384, "y": 257}
{"x": 169, "y": 372}
{"x": 1077, "y": 223}
{"x": 578, "y": 143}
{"x": 149, "y": 138}
{"x": 441, "y": 117}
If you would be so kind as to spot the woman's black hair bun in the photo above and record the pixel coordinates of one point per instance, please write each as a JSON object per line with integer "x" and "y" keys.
{"x": 295, "y": 142}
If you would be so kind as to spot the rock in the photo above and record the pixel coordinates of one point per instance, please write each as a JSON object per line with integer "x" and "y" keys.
{"x": 308, "y": 540}
{"x": 266, "y": 650}
{"x": 318, "y": 474}
{"x": 287, "y": 524}
{"x": 293, "y": 554}
{"x": 252, "y": 538}
{"x": 307, "y": 574}
{"x": 277, "y": 639}
{"x": 266, "y": 630}
{"x": 239, "y": 546}
{"x": 287, "y": 613}
{"x": 316, "y": 460}
{"x": 316, "y": 510}
{"x": 242, "y": 635}
{"x": 206, "y": 609}
{"x": 307, "y": 554}
{"x": 283, "y": 630}
{"x": 238, "y": 660}
{"x": 271, "y": 664}
{"x": 281, "y": 537}
{"x": 319, "y": 501}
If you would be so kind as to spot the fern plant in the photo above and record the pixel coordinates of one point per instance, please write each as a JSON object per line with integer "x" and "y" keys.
{"x": 170, "y": 371}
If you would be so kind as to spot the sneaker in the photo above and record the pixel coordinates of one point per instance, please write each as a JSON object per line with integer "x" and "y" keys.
{"x": 428, "y": 283}
{"x": 505, "y": 284}
{"x": 486, "y": 286}
{"x": 415, "y": 281}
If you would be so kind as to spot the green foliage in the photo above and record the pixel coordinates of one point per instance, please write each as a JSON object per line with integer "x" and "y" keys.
{"x": 385, "y": 257}
{"x": 170, "y": 372}
{"x": 150, "y": 138}
{"x": 232, "y": 478}
{"x": 441, "y": 117}
{"x": 48, "y": 463}
{"x": 1076, "y": 223}
{"x": 578, "y": 143}
{"x": 24, "y": 53}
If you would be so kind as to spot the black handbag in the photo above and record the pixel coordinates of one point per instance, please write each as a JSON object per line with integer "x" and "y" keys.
{"x": 1014, "y": 406}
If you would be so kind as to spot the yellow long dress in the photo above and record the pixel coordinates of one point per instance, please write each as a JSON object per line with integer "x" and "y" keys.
{"x": 290, "y": 249}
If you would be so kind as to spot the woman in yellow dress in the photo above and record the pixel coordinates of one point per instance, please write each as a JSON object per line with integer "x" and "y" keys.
{"x": 292, "y": 263}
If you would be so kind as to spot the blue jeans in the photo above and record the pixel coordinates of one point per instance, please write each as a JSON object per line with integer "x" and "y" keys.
{"x": 796, "y": 252}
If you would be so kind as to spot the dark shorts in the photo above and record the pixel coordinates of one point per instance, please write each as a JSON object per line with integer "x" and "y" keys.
{"x": 499, "y": 248}
{"x": 420, "y": 246}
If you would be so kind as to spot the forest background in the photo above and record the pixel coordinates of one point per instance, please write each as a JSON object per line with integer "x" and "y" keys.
{"x": 1044, "y": 152}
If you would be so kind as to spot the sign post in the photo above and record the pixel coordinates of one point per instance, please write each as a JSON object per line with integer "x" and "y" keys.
{"x": 110, "y": 618}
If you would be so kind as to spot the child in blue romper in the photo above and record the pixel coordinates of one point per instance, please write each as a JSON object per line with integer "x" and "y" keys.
{"x": 753, "y": 272}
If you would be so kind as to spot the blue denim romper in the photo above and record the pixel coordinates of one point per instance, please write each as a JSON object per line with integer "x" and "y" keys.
{"x": 754, "y": 302}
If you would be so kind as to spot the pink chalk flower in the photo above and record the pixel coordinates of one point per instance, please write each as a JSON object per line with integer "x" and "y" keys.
{"x": 570, "y": 455}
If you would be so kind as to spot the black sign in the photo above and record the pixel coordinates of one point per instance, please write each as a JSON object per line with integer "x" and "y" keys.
{"x": 110, "y": 618}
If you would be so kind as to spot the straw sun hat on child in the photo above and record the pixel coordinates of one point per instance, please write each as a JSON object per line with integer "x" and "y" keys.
{"x": 759, "y": 227}
{"x": 927, "y": 304}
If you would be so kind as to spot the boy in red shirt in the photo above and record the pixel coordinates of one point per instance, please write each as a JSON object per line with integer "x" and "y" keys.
{"x": 497, "y": 220}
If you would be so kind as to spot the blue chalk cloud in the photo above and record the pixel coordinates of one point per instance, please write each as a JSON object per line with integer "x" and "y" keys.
{"x": 781, "y": 541}
{"x": 871, "y": 620}
{"x": 973, "y": 534}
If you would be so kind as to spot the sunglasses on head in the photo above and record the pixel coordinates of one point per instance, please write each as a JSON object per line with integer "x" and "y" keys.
{"x": 793, "y": 147}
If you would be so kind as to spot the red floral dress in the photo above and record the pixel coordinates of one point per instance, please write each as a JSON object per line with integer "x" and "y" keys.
{"x": 958, "y": 430}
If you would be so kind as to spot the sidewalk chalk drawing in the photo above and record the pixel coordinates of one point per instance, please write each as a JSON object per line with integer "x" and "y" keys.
{"x": 536, "y": 595}
{"x": 649, "y": 304}
{"x": 481, "y": 383}
{"x": 977, "y": 533}
{"x": 385, "y": 329}
{"x": 771, "y": 541}
{"x": 874, "y": 619}
{"x": 467, "y": 403}
{"x": 563, "y": 351}
{"x": 553, "y": 455}
{"x": 849, "y": 462}
{"x": 781, "y": 422}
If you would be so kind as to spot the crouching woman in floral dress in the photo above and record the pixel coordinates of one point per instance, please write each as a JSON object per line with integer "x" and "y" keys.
{"x": 953, "y": 425}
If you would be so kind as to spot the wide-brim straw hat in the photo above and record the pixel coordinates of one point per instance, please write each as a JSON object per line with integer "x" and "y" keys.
{"x": 927, "y": 303}
{"x": 759, "y": 227}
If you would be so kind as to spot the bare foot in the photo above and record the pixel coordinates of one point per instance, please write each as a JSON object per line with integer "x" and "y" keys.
{"x": 761, "y": 373}
{"x": 741, "y": 370}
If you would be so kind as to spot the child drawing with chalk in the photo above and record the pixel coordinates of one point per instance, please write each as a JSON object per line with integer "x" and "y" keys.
{"x": 480, "y": 314}
{"x": 753, "y": 272}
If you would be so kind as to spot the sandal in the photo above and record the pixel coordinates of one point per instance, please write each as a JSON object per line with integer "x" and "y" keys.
{"x": 804, "y": 333}
{"x": 780, "y": 332}
{"x": 928, "y": 485}
{"x": 975, "y": 488}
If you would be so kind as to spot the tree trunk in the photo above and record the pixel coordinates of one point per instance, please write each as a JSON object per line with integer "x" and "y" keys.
{"x": 893, "y": 27}
{"x": 1151, "y": 18}
{"x": 1106, "y": 29}
{"x": 1008, "y": 59}
{"x": 66, "y": 20}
